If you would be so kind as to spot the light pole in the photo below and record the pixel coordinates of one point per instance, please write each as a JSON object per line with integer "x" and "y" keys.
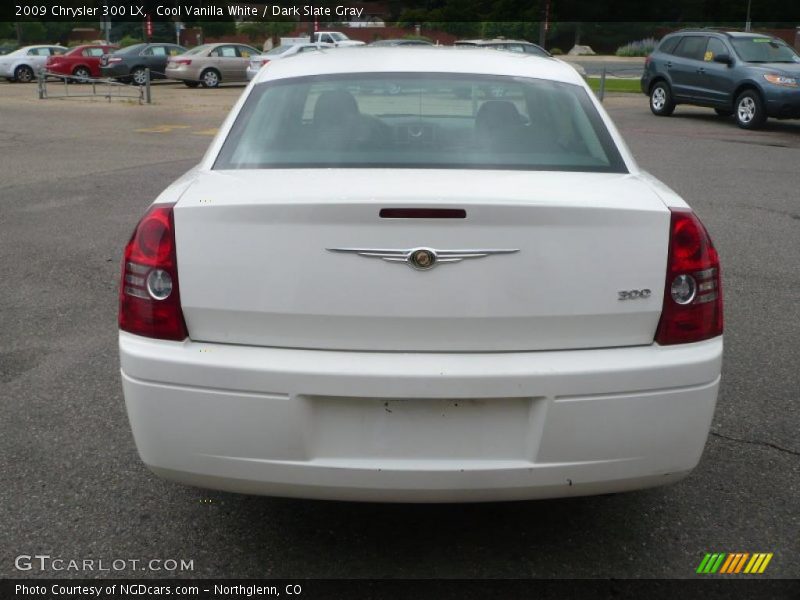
{"x": 747, "y": 22}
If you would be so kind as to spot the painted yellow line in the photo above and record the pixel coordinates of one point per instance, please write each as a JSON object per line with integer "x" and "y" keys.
{"x": 211, "y": 132}
{"x": 162, "y": 128}
{"x": 765, "y": 563}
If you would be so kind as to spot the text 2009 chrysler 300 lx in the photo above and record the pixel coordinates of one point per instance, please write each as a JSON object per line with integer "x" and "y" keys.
{"x": 461, "y": 290}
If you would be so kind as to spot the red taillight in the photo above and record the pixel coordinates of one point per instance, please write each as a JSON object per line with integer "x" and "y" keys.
{"x": 265, "y": 61}
{"x": 149, "y": 300}
{"x": 647, "y": 60}
{"x": 181, "y": 61}
{"x": 692, "y": 308}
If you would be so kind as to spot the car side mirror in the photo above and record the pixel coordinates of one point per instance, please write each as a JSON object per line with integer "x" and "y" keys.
{"x": 725, "y": 59}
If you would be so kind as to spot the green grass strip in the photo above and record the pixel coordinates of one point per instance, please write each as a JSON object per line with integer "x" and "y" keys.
{"x": 617, "y": 85}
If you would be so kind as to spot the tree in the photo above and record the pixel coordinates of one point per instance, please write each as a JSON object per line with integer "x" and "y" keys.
{"x": 7, "y": 30}
{"x": 30, "y": 32}
{"x": 215, "y": 28}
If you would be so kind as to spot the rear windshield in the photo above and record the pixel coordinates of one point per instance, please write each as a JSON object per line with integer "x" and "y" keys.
{"x": 419, "y": 121}
{"x": 764, "y": 50}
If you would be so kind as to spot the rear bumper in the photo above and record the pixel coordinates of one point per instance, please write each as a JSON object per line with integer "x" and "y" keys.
{"x": 419, "y": 427}
{"x": 60, "y": 69}
{"x": 182, "y": 73}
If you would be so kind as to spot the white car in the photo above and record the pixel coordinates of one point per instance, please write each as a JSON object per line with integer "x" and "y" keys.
{"x": 420, "y": 297}
{"x": 23, "y": 64}
{"x": 284, "y": 51}
{"x": 334, "y": 39}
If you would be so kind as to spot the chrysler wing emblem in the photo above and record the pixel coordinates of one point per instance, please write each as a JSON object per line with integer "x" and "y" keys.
{"x": 422, "y": 259}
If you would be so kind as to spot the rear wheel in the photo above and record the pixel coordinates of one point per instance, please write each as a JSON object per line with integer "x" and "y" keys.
{"x": 661, "y": 102}
{"x": 210, "y": 78}
{"x": 750, "y": 112}
{"x": 82, "y": 74}
{"x": 723, "y": 112}
{"x": 139, "y": 76}
{"x": 23, "y": 74}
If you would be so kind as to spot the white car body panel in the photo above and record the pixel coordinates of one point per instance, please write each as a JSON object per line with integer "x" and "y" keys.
{"x": 322, "y": 375}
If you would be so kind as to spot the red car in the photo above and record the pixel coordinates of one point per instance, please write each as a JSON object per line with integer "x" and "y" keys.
{"x": 82, "y": 61}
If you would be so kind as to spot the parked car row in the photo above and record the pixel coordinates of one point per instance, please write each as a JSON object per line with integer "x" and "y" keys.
{"x": 207, "y": 65}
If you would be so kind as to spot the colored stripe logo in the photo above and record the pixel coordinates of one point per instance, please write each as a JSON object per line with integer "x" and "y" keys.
{"x": 734, "y": 563}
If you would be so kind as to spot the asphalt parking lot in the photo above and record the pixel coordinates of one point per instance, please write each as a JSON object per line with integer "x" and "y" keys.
{"x": 77, "y": 175}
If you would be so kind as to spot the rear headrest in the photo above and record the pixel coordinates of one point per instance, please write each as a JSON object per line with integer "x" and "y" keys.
{"x": 496, "y": 115}
{"x": 335, "y": 107}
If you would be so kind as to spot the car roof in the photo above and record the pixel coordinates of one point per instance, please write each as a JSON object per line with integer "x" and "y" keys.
{"x": 403, "y": 40}
{"x": 217, "y": 44}
{"x": 84, "y": 46}
{"x": 749, "y": 34}
{"x": 434, "y": 59}
{"x": 495, "y": 41}
{"x": 727, "y": 32}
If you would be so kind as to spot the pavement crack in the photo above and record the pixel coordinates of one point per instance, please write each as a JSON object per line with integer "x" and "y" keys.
{"x": 756, "y": 443}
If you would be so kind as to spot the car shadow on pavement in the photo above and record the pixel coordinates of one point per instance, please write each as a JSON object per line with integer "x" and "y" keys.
{"x": 544, "y": 538}
{"x": 790, "y": 126}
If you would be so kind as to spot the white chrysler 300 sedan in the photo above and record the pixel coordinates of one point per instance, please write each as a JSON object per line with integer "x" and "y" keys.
{"x": 463, "y": 289}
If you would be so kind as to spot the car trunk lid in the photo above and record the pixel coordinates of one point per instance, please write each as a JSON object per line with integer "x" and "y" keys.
{"x": 266, "y": 258}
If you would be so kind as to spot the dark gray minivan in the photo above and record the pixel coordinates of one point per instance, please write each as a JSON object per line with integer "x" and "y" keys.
{"x": 751, "y": 76}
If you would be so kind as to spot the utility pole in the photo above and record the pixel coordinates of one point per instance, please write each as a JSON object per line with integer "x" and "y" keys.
{"x": 747, "y": 22}
{"x": 544, "y": 26}
{"x": 105, "y": 25}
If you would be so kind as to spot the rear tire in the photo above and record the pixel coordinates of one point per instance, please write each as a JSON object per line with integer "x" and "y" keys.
{"x": 24, "y": 74}
{"x": 82, "y": 74}
{"x": 661, "y": 102}
{"x": 750, "y": 111}
{"x": 138, "y": 76}
{"x": 724, "y": 112}
{"x": 210, "y": 78}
